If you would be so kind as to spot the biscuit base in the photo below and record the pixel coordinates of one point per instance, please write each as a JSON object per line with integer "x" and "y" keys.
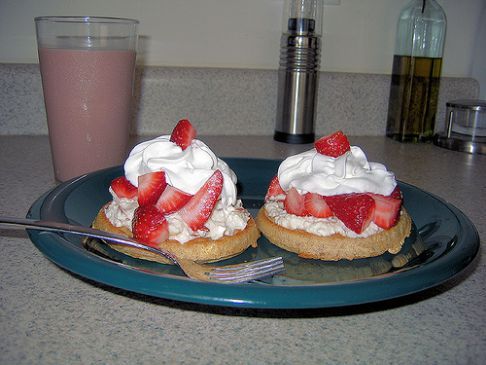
{"x": 335, "y": 247}
{"x": 201, "y": 250}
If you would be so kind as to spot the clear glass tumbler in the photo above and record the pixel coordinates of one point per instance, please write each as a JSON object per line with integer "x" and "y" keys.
{"x": 87, "y": 66}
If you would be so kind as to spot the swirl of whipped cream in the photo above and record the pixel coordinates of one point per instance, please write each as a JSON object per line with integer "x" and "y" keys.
{"x": 349, "y": 173}
{"x": 186, "y": 170}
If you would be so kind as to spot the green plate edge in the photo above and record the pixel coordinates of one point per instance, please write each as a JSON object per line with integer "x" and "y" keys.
{"x": 254, "y": 175}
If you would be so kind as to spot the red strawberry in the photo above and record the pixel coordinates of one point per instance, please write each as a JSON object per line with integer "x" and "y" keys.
{"x": 354, "y": 210}
{"x": 387, "y": 210}
{"x": 294, "y": 203}
{"x": 198, "y": 209}
{"x": 316, "y": 206}
{"x": 333, "y": 145}
{"x": 396, "y": 193}
{"x": 171, "y": 200}
{"x": 149, "y": 226}
{"x": 183, "y": 134}
{"x": 274, "y": 188}
{"x": 150, "y": 186}
{"x": 123, "y": 188}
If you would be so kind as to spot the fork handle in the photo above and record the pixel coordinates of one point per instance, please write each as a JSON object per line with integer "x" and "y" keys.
{"x": 51, "y": 226}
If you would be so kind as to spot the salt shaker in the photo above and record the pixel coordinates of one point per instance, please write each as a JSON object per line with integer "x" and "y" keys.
{"x": 298, "y": 72}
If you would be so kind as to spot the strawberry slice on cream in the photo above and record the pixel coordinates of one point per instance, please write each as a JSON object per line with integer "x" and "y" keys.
{"x": 186, "y": 183}
{"x": 331, "y": 203}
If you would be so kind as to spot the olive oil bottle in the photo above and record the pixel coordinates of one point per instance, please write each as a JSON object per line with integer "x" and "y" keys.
{"x": 415, "y": 80}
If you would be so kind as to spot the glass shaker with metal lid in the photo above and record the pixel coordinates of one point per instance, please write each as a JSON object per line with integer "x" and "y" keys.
{"x": 465, "y": 126}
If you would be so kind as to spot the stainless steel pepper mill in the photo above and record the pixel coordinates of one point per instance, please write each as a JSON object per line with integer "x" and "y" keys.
{"x": 298, "y": 74}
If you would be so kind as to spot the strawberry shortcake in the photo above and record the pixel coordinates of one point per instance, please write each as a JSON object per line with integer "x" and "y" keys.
{"x": 177, "y": 195}
{"x": 330, "y": 203}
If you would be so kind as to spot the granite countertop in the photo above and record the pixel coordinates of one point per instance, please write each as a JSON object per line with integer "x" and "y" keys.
{"x": 49, "y": 316}
{"x": 224, "y": 101}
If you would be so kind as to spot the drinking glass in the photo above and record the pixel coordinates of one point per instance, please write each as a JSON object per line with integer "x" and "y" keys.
{"x": 87, "y": 67}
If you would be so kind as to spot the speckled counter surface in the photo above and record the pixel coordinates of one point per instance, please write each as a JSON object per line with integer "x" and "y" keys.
{"x": 49, "y": 316}
{"x": 224, "y": 101}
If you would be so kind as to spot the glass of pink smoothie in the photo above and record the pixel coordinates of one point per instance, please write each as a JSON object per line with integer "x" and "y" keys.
{"x": 87, "y": 66}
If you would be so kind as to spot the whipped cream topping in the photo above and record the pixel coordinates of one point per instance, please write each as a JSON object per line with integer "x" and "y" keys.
{"x": 224, "y": 220}
{"x": 120, "y": 211}
{"x": 186, "y": 170}
{"x": 351, "y": 172}
{"x": 313, "y": 172}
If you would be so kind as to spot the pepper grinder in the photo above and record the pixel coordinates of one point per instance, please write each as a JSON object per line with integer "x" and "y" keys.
{"x": 298, "y": 73}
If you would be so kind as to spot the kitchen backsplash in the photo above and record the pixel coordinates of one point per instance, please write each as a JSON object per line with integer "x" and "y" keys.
{"x": 223, "y": 101}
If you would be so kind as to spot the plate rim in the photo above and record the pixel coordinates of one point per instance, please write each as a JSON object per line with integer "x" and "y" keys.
{"x": 257, "y": 295}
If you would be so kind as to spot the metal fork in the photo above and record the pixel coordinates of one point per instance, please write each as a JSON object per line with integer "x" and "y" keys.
{"x": 229, "y": 274}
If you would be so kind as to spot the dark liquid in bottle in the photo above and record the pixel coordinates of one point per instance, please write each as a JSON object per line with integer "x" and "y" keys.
{"x": 414, "y": 93}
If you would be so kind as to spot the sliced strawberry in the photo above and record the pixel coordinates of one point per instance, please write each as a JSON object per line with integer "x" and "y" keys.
{"x": 334, "y": 145}
{"x": 316, "y": 206}
{"x": 149, "y": 225}
{"x": 387, "y": 210}
{"x": 198, "y": 209}
{"x": 171, "y": 200}
{"x": 183, "y": 134}
{"x": 294, "y": 203}
{"x": 274, "y": 188}
{"x": 397, "y": 193}
{"x": 150, "y": 186}
{"x": 123, "y": 188}
{"x": 354, "y": 210}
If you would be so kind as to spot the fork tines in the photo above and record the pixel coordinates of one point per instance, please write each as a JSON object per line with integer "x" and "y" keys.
{"x": 248, "y": 271}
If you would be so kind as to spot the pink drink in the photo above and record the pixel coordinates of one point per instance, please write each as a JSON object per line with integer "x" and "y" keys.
{"x": 88, "y": 95}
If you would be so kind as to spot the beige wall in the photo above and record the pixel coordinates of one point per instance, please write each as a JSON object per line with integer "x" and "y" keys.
{"x": 358, "y": 34}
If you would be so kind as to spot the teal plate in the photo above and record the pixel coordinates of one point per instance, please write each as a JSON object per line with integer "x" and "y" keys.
{"x": 443, "y": 242}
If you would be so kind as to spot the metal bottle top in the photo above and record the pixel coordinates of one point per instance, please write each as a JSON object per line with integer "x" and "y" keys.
{"x": 303, "y": 26}
{"x": 300, "y": 53}
{"x": 467, "y": 104}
